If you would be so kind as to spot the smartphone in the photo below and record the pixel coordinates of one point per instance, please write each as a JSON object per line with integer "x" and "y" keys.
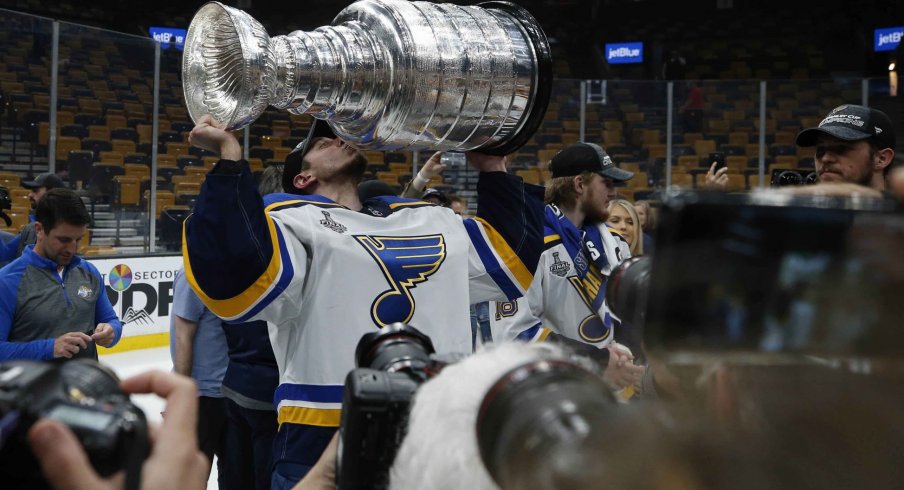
{"x": 717, "y": 157}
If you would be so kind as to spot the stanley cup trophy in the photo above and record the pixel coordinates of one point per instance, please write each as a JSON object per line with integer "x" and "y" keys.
{"x": 387, "y": 75}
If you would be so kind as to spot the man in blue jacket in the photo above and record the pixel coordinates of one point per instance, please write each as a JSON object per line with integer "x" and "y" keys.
{"x": 53, "y": 303}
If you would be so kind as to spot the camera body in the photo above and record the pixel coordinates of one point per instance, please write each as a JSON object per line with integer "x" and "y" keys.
{"x": 392, "y": 363}
{"x": 82, "y": 395}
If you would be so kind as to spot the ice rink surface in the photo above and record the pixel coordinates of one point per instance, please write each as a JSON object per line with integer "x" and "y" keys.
{"x": 134, "y": 362}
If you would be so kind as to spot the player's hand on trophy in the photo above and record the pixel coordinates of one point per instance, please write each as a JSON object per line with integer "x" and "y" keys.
{"x": 211, "y": 135}
{"x": 486, "y": 163}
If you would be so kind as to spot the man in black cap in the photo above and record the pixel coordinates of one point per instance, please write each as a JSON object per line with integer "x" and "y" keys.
{"x": 12, "y": 249}
{"x": 40, "y": 186}
{"x": 853, "y": 144}
{"x": 324, "y": 268}
{"x": 436, "y": 196}
{"x": 566, "y": 300}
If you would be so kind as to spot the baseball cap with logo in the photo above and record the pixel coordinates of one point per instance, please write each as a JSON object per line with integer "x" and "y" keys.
{"x": 293, "y": 159}
{"x": 586, "y": 157}
{"x": 852, "y": 123}
{"x": 48, "y": 180}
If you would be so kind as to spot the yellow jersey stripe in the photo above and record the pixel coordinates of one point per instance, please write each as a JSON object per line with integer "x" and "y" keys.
{"x": 407, "y": 204}
{"x": 321, "y": 417}
{"x": 551, "y": 238}
{"x": 544, "y": 334}
{"x": 508, "y": 256}
{"x": 233, "y": 307}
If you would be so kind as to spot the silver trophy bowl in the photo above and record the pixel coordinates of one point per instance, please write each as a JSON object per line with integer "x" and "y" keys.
{"x": 386, "y": 75}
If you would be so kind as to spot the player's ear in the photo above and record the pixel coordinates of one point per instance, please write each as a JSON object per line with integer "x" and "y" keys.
{"x": 303, "y": 180}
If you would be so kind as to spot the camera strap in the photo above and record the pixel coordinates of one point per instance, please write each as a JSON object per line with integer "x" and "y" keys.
{"x": 137, "y": 452}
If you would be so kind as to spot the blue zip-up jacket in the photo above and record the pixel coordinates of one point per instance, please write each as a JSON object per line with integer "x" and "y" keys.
{"x": 37, "y": 306}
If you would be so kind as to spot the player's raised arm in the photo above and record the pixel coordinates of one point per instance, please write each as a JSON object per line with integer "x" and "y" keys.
{"x": 507, "y": 234}
{"x": 231, "y": 246}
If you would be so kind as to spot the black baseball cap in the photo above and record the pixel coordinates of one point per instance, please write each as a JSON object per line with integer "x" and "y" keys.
{"x": 433, "y": 192}
{"x": 293, "y": 159}
{"x": 586, "y": 157}
{"x": 852, "y": 123}
{"x": 48, "y": 180}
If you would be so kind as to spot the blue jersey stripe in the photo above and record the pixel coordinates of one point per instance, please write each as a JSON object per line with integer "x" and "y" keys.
{"x": 308, "y": 393}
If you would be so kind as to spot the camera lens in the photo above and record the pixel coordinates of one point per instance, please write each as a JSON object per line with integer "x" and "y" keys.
{"x": 626, "y": 289}
{"x": 394, "y": 347}
{"x": 535, "y": 411}
{"x": 789, "y": 177}
{"x": 811, "y": 178}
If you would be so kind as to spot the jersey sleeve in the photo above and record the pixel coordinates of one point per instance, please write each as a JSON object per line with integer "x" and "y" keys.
{"x": 41, "y": 349}
{"x": 238, "y": 259}
{"x": 506, "y": 237}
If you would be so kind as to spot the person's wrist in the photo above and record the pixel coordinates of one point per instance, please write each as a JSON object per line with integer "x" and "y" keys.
{"x": 231, "y": 150}
{"x": 420, "y": 181}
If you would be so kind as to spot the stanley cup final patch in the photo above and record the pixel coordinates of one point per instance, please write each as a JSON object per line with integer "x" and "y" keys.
{"x": 559, "y": 267}
{"x": 332, "y": 224}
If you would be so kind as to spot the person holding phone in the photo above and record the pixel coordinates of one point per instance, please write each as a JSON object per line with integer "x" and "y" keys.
{"x": 716, "y": 177}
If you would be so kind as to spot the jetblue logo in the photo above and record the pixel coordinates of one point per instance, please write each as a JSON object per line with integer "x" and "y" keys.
{"x": 624, "y": 53}
{"x": 887, "y": 39}
{"x": 168, "y": 36}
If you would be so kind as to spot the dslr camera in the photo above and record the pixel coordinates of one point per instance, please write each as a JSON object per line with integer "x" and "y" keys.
{"x": 83, "y": 395}
{"x": 391, "y": 364}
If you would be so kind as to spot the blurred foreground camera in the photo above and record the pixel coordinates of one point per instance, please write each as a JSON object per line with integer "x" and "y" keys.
{"x": 81, "y": 394}
{"x": 392, "y": 363}
{"x": 785, "y": 177}
{"x": 540, "y": 424}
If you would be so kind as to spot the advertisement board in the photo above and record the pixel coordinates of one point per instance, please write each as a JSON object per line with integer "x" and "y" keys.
{"x": 623, "y": 53}
{"x": 141, "y": 292}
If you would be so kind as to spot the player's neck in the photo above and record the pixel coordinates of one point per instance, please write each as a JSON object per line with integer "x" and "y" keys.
{"x": 341, "y": 193}
{"x": 575, "y": 215}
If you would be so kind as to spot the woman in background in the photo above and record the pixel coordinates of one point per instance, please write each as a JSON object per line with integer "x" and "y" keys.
{"x": 623, "y": 219}
{"x": 648, "y": 218}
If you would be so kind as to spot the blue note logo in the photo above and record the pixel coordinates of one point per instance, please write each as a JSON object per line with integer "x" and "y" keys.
{"x": 405, "y": 262}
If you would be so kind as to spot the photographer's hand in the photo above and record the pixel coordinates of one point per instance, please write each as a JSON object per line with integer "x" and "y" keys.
{"x": 69, "y": 344}
{"x": 103, "y": 334}
{"x": 211, "y": 135}
{"x": 175, "y": 461}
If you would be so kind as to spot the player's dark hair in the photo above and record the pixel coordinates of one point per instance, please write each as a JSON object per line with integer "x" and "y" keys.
{"x": 61, "y": 205}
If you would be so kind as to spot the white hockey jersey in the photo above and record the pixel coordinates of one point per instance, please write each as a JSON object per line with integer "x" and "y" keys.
{"x": 330, "y": 275}
{"x": 559, "y": 301}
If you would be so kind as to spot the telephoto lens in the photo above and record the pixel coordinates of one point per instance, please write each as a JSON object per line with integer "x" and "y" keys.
{"x": 627, "y": 288}
{"x": 542, "y": 425}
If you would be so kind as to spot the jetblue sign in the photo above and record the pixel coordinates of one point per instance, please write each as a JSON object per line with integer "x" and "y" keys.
{"x": 624, "y": 53}
{"x": 168, "y": 36}
{"x": 887, "y": 39}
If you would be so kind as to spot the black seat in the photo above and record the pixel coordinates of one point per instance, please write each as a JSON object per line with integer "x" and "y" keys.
{"x": 79, "y": 165}
{"x": 171, "y": 220}
{"x": 100, "y": 182}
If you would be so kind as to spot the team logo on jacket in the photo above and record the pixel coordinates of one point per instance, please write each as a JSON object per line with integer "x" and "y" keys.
{"x": 85, "y": 292}
{"x": 405, "y": 263}
{"x": 559, "y": 267}
{"x": 332, "y": 224}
